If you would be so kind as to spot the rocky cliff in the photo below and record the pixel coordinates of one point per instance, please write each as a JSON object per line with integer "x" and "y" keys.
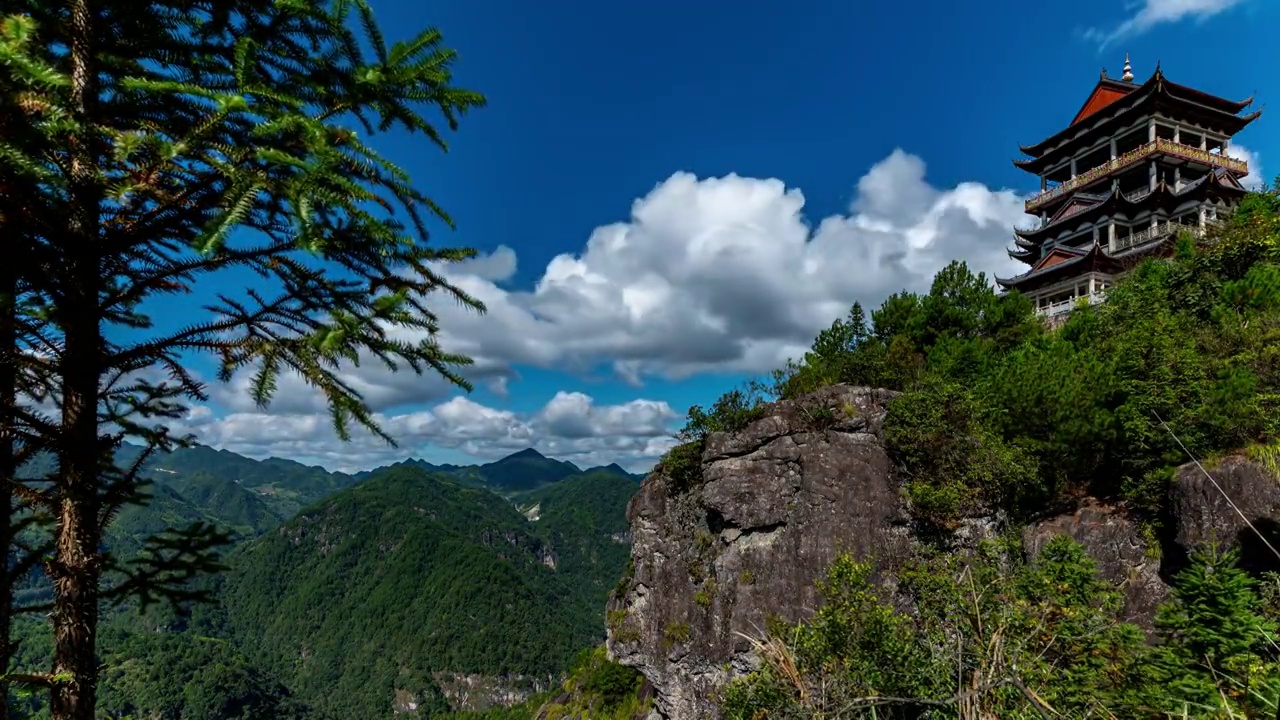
{"x": 779, "y": 500}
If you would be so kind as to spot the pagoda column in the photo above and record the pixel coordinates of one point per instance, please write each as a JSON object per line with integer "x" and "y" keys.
{"x": 1151, "y": 129}
{"x": 1176, "y": 134}
{"x": 1151, "y": 176}
{"x": 1111, "y": 236}
{"x": 1113, "y": 148}
{"x": 1204, "y": 141}
{"x": 1201, "y": 216}
{"x": 1073, "y": 168}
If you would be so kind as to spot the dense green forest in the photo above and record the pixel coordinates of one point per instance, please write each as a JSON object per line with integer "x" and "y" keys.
{"x": 997, "y": 412}
{"x": 397, "y": 574}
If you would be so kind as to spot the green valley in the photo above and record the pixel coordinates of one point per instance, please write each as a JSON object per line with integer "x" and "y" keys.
{"x": 401, "y": 588}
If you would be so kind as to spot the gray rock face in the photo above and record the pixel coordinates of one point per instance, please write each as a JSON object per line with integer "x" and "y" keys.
{"x": 779, "y": 501}
{"x": 810, "y": 480}
{"x": 1124, "y": 554}
{"x": 1202, "y": 514}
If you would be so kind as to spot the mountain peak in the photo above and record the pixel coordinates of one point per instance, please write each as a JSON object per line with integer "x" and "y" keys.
{"x": 526, "y": 454}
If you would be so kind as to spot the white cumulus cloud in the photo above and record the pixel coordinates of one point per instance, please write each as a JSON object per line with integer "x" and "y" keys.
{"x": 1256, "y": 177}
{"x": 728, "y": 275}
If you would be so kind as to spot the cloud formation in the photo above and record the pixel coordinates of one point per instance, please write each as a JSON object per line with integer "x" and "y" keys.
{"x": 1151, "y": 13}
{"x": 727, "y": 274}
{"x": 706, "y": 275}
{"x": 571, "y": 426}
{"x": 1257, "y": 176}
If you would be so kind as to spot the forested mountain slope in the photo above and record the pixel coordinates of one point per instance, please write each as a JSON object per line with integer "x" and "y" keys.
{"x": 363, "y": 596}
{"x": 402, "y": 575}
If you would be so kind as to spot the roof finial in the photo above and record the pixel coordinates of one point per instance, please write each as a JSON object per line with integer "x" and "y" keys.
{"x": 1128, "y": 70}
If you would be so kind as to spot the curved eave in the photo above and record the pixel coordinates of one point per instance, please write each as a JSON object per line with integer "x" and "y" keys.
{"x": 1164, "y": 197}
{"x": 1230, "y": 123}
{"x": 1114, "y": 110}
{"x": 1204, "y": 98}
{"x": 1050, "y": 150}
{"x": 1025, "y": 256}
{"x": 1090, "y": 259}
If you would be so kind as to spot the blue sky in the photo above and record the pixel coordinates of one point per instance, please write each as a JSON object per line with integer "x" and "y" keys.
{"x": 688, "y": 190}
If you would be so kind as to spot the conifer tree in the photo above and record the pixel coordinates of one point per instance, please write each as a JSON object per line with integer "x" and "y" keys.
{"x": 158, "y": 143}
{"x": 1217, "y": 646}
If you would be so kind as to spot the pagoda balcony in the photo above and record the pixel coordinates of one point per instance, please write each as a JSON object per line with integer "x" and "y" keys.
{"x": 1155, "y": 232}
{"x": 1066, "y": 306}
{"x": 1133, "y": 157}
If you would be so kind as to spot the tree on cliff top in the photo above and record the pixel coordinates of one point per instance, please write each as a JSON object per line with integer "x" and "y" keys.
{"x": 155, "y": 144}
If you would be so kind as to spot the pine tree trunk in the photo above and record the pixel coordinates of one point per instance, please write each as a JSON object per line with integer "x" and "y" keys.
{"x": 76, "y": 567}
{"x": 77, "y": 564}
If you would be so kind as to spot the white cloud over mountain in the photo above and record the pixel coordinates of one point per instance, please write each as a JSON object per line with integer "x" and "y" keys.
{"x": 569, "y": 427}
{"x": 707, "y": 275}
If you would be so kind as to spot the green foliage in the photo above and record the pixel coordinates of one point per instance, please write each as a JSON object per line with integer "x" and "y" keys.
{"x": 187, "y": 676}
{"x": 404, "y": 575}
{"x": 479, "y": 589}
{"x": 1009, "y": 639}
{"x": 596, "y": 689}
{"x": 683, "y": 465}
{"x": 675, "y": 633}
{"x": 731, "y": 412}
{"x": 1220, "y": 651}
{"x": 953, "y": 461}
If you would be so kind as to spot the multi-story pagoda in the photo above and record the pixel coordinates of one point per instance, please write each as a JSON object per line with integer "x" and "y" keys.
{"x": 1137, "y": 164}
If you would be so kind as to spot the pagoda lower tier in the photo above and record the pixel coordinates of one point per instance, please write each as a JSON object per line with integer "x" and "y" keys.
{"x": 1077, "y": 254}
{"x": 1070, "y": 274}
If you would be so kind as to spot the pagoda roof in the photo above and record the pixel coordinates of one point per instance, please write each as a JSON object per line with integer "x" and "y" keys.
{"x": 1062, "y": 261}
{"x": 1104, "y": 93}
{"x": 1118, "y": 98}
{"x": 1218, "y": 182}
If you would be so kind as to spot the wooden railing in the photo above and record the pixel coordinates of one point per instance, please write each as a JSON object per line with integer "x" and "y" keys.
{"x": 1133, "y": 157}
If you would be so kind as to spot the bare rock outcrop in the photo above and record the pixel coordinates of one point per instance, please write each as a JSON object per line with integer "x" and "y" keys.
{"x": 779, "y": 500}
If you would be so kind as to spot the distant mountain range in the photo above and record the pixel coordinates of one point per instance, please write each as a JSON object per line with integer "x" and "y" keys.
{"x": 250, "y": 495}
{"x": 361, "y": 594}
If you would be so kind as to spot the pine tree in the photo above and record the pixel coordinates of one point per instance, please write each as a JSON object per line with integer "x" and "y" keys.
{"x": 159, "y": 143}
{"x": 1216, "y": 641}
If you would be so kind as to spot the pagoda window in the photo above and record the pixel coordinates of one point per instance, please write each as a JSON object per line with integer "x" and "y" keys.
{"x": 1094, "y": 158}
{"x": 1130, "y": 141}
{"x": 1165, "y": 132}
{"x": 1191, "y": 138}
